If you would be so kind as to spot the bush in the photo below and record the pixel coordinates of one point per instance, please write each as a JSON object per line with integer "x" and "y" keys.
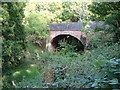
{"x": 36, "y": 25}
{"x": 79, "y": 70}
{"x": 73, "y": 70}
{"x": 107, "y": 74}
{"x": 110, "y": 14}
{"x": 98, "y": 38}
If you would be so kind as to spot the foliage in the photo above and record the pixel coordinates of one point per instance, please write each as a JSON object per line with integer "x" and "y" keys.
{"x": 74, "y": 11}
{"x": 74, "y": 69}
{"x": 97, "y": 67}
{"x": 61, "y": 11}
{"x": 110, "y": 13}
{"x": 66, "y": 47}
{"x": 1, "y": 52}
{"x": 36, "y": 25}
{"x": 50, "y": 10}
{"x": 107, "y": 75}
{"x": 98, "y": 38}
{"x": 13, "y": 38}
{"x": 13, "y": 35}
{"x": 32, "y": 83}
{"x": 27, "y": 72}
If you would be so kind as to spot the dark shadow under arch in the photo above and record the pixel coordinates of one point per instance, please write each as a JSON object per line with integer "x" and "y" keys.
{"x": 69, "y": 39}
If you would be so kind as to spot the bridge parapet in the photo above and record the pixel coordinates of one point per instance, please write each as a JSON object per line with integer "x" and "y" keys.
{"x": 74, "y": 26}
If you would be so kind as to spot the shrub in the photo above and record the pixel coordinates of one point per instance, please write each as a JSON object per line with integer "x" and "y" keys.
{"x": 81, "y": 70}
{"x": 107, "y": 74}
{"x": 98, "y": 38}
{"x": 75, "y": 70}
{"x": 36, "y": 25}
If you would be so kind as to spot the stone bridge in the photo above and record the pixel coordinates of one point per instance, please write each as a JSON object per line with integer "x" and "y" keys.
{"x": 69, "y": 31}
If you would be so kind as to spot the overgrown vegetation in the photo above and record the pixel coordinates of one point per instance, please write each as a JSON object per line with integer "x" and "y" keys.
{"x": 13, "y": 35}
{"x": 96, "y": 67}
{"x": 92, "y": 69}
{"x": 110, "y": 13}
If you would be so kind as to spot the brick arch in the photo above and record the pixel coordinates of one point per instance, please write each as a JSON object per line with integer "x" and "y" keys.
{"x": 78, "y": 38}
{"x": 68, "y": 37}
{"x": 75, "y": 34}
{"x": 54, "y": 34}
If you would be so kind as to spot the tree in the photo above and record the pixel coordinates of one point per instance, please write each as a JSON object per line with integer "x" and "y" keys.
{"x": 50, "y": 10}
{"x": 63, "y": 11}
{"x": 36, "y": 25}
{"x": 13, "y": 35}
{"x": 110, "y": 13}
{"x": 74, "y": 11}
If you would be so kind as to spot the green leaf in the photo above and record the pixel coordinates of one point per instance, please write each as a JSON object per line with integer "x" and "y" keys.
{"x": 94, "y": 84}
{"x": 113, "y": 81}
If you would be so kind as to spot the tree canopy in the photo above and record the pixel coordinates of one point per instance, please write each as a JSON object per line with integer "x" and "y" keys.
{"x": 13, "y": 34}
{"x": 110, "y": 13}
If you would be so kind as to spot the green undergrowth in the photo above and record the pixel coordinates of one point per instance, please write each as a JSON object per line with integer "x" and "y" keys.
{"x": 67, "y": 68}
{"x": 27, "y": 70}
{"x": 72, "y": 69}
{"x": 0, "y": 62}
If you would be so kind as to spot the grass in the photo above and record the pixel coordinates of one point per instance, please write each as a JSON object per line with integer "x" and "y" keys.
{"x": 28, "y": 72}
{"x": 30, "y": 69}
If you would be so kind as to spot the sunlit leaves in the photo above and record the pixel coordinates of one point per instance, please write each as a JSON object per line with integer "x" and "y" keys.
{"x": 13, "y": 34}
{"x": 36, "y": 24}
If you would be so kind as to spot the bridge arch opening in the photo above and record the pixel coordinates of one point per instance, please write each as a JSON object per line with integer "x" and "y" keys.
{"x": 71, "y": 40}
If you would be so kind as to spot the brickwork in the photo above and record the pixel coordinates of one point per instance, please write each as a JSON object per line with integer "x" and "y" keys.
{"x": 53, "y": 34}
{"x": 73, "y": 29}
